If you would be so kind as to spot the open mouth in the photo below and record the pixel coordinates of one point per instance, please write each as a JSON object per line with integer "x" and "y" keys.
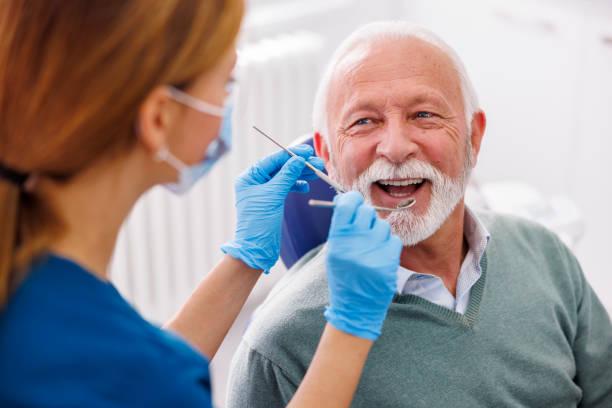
{"x": 391, "y": 192}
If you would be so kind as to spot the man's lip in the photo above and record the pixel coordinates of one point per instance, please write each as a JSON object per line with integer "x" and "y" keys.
{"x": 401, "y": 179}
{"x": 411, "y": 180}
{"x": 381, "y": 197}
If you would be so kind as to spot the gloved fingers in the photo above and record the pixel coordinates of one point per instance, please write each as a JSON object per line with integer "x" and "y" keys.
{"x": 286, "y": 177}
{"x": 300, "y": 186}
{"x": 396, "y": 245}
{"x": 307, "y": 173}
{"x": 345, "y": 209}
{"x": 316, "y": 161}
{"x": 365, "y": 217}
{"x": 273, "y": 163}
{"x": 302, "y": 150}
{"x": 381, "y": 230}
{"x": 265, "y": 168}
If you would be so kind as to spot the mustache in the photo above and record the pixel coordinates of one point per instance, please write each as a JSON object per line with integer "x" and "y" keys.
{"x": 382, "y": 169}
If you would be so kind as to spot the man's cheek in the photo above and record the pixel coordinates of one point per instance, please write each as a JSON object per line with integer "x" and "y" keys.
{"x": 355, "y": 159}
{"x": 335, "y": 174}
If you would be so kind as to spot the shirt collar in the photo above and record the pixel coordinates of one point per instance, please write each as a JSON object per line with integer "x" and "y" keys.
{"x": 476, "y": 235}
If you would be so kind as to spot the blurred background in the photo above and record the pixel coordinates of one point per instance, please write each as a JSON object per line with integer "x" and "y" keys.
{"x": 542, "y": 70}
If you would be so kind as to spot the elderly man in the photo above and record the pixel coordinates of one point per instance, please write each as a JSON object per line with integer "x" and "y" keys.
{"x": 491, "y": 311}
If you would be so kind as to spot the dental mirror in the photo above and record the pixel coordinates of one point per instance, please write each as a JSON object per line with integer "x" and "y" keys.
{"x": 403, "y": 205}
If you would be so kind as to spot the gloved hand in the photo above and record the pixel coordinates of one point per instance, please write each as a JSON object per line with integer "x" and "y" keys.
{"x": 362, "y": 262}
{"x": 260, "y": 201}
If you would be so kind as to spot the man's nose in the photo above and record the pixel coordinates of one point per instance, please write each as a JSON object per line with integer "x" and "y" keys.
{"x": 397, "y": 144}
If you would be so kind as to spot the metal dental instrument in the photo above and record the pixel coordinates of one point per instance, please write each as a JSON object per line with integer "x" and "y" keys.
{"x": 407, "y": 203}
{"x": 318, "y": 172}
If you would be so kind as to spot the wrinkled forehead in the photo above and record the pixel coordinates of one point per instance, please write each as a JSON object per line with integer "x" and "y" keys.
{"x": 382, "y": 62}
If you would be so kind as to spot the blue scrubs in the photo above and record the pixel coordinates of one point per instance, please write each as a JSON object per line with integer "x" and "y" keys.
{"x": 68, "y": 339}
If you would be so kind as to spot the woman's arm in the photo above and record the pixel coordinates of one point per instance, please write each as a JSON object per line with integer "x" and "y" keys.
{"x": 361, "y": 263}
{"x": 211, "y": 309}
{"x": 333, "y": 374}
{"x": 209, "y": 313}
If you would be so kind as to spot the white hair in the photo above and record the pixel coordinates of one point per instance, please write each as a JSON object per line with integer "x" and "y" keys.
{"x": 388, "y": 30}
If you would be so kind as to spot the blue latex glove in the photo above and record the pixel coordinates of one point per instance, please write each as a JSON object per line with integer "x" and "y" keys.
{"x": 362, "y": 262}
{"x": 260, "y": 201}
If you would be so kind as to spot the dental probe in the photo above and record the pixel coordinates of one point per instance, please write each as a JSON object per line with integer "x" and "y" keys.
{"x": 318, "y": 172}
{"x": 407, "y": 203}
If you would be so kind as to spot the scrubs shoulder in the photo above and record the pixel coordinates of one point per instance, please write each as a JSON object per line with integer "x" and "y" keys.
{"x": 68, "y": 339}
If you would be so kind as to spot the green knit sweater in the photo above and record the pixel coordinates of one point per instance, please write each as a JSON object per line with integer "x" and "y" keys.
{"x": 534, "y": 335}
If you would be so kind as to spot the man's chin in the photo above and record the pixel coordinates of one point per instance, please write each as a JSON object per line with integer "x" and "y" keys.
{"x": 411, "y": 229}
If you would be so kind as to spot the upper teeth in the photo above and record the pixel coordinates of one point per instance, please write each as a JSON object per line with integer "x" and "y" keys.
{"x": 400, "y": 182}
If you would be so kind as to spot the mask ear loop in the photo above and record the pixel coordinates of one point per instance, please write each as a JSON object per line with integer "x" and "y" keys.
{"x": 163, "y": 154}
{"x": 232, "y": 88}
{"x": 196, "y": 103}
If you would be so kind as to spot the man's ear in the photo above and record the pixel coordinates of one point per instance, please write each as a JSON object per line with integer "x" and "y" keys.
{"x": 479, "y": 123}
{"x": 321, "y": 148}
{"x": 155, "y": 117}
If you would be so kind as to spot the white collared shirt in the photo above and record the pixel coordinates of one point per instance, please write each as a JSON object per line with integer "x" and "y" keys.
{"x": 431, "y": 287}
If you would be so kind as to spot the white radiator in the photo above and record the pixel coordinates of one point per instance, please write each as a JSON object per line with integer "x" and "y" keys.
{"x": 168, "y": 243}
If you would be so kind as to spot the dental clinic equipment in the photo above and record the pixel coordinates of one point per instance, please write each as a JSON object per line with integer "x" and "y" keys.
{"x": 407, "y": 203}
{"x": 318, "y": 172}
{"x": 404, "y": 204}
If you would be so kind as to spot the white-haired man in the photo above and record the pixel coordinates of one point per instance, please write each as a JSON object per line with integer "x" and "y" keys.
{"x": 490, "y": 310}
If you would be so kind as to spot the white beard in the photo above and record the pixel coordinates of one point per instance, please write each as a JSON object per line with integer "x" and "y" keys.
{"x": 445, "y": 195}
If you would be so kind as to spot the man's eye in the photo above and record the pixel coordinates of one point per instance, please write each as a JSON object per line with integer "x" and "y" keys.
{"x": 425, "y": 115}
{"x": 363, "y": 121}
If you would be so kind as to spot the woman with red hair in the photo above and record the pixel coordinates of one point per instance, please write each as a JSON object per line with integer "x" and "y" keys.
{"x": 101, "y": 100}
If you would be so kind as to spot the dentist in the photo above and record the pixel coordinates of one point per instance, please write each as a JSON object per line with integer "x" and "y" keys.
{"x": 101, "y": 100}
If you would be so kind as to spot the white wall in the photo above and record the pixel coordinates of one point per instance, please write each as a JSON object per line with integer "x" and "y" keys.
{"x": 590, "y": 181}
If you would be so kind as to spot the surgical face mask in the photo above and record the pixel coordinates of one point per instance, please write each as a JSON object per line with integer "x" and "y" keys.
{"x": 189, "y": 175}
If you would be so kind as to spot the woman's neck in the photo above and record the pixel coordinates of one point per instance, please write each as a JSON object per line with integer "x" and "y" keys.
{"x": 93, "y": 206}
